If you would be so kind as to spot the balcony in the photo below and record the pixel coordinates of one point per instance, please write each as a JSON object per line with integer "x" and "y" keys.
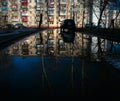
{"x": 39, "y": 8}
{"x": 50, "y": 12}
{"x": 14, "y": 9}
{"x": 4, "y": 8}
{"x": 24, "y": 7}
{"x": 37, "y": 20}
{"x": 15, "y": 19}
{"x": 14, "y": 15}
{"x": 50, "y": 19}
{"x": 24, "y": 19}
{"x": 62, "y": 13}
{"x": 51, "y": 8}
{"x": 63, "y": 3}
{"x": 4, "y": 12}
{"x": 24, "y": 2}
{"x": 24, "y": 14}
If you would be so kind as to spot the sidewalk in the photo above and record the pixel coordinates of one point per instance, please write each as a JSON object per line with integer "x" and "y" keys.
{"x": 4, "y": 33}
{"x": 12, "y": 35}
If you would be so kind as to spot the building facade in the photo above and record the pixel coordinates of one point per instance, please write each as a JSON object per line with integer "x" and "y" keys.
{"x": 3, "y": 12}
{"x": 53, "y": 12}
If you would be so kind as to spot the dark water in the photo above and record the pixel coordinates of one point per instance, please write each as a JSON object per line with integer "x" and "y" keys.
{"x": 62, "y": 73}
{"x": 50, "y": 76}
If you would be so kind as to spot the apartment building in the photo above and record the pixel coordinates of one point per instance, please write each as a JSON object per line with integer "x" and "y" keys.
{"x": 53, "y": 12}
{"x": 22, "y": 11}
{"x": 14, "y": 11}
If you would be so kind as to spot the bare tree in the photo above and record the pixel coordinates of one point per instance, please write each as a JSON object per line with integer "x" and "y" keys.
{"x": 103, "y": 4}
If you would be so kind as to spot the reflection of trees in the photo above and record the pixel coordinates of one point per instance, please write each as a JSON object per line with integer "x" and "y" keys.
{"x": 45, "y": 80}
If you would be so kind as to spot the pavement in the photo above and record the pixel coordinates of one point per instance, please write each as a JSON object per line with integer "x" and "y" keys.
{"x": 7, "y": 36}
{"x": 18, "y": 31}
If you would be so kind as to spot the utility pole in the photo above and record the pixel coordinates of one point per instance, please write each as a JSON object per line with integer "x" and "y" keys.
{"x": 40, "y": 22}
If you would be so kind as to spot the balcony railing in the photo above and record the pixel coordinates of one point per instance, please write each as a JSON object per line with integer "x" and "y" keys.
{"x": 24, "y": 14}
{"x": 14, "y": 9}
{"x": 15, "y": 19}
{"x": 4, "y": 13}
{"x": 38, "y": 8}
{"x": 63, "y": 2}
{"x": 50, "y": 8}
{"x": 62, "y": 13}
{"x": 50, "y": 20}
{"x": 4, "y": 8}
{"x": 24, "y": 7}
{"x": 15, "y": 14}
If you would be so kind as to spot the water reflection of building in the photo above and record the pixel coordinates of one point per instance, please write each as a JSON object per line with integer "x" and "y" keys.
{"x": 61, "y": 47}
{"x": 53, "y": 44}
{"x": 25, "y": 48}
{"x": 39, "y": 49}
{"x": 15, "y": 50}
